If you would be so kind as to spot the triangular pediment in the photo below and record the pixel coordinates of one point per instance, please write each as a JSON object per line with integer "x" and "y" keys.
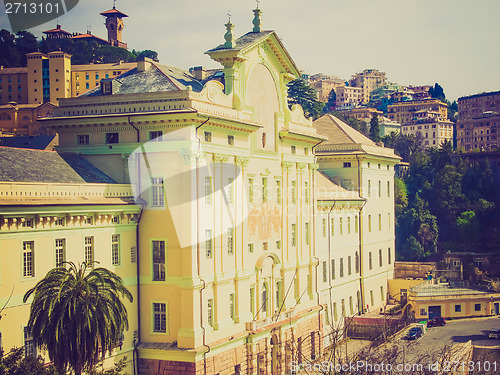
{"x": 267, "y": 40}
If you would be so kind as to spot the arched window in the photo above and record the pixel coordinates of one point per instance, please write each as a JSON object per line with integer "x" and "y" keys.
{"x": 25, "y": 118}
{"x": 5, "y": 116}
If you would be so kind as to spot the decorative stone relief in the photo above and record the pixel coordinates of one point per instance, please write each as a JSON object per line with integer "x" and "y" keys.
{"x": 287, "y": 165}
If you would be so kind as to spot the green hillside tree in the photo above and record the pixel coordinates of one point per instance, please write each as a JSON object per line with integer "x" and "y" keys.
{"x": 374, "y": 128}
{"x": 299, "y": 92}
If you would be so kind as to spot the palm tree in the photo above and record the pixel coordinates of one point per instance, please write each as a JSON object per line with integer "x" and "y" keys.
{"x": 77, "y": 316}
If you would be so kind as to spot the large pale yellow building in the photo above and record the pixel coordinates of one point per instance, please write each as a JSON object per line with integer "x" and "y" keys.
{"x": 236, "y": 219}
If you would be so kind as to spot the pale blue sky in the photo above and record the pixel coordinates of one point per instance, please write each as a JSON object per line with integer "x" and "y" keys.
{"x": 453, "y": 42}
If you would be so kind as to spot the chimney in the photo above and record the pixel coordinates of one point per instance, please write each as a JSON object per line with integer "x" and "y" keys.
{"x": 198, "y": 73}
{"x": 143, "y": 64}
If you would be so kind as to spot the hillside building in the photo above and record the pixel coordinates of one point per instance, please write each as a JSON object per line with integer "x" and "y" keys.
{"x": 478, "y": 123}
{"x": 368, "y": 80}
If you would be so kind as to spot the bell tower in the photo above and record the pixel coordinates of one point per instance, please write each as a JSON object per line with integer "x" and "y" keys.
{"x": 114, "y": 24}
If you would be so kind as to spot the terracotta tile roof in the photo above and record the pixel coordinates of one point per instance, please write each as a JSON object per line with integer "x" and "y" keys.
{"x": 338, "y": 132}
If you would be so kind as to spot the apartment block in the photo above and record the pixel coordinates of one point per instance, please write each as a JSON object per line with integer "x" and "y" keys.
{"x": 408, "y": 112}
{"x": 479, "y": 121}
{"x": 368, "y": 80}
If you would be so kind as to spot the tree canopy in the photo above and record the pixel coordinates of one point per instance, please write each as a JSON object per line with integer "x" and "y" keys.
{"x": 299, "y": 92}
{"x": 445, "y": 202}
{"x": 374, "y": 128}
{"x": 78, "y": 316}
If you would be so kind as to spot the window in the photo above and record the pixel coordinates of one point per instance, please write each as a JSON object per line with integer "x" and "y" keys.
{"x": 252, "y": 300}
{"x": 341, "y": 267}
{"x": 333, "y": 269}
{"x": 349, "y": 225}
{"x": 160, "y": 317}
{"x": 59, "y": 221}
{"x": 389, "y": 258}
{"x": 29, "y": 344}
{"x": 250, "y": 190}
{"x": 208, "y": 242}
{"x": 208, "y": 137}
{"x": 292, "y": 149}
{"x": 264, "y": 189}
{"x": 87, "y": 86}
{"x": 349, "y": 265}
{"x": 115, "y": 249}
{"x": 379, "y": 189}
{"x": 371, "y": 298}
{"x": 111, "y": 138}
{"x": 380, "y": 257}
{"x": 356, "y": 262}
{"x": 458, "y": 308}
{"x": 382, "y": 293}
{"x": 156, "y": 135}
{"x": 294, "y": 234}
{"x": 115, "y": 220}
{"x": 229, "y": 191}
{"x": 60, "y": 250}
{"x": 158, "y": 191}
{"x": 335, "y": 310}
{"x": 230, "y": 240}
{"x": 369, "y": 188}
{"x": 347, "y": 165}
{"x": 370, "y": 263}
{"x": 379, "y": 221}
{"x": 28, "y": 259}
{"x": 27, "y": 223}
{"x": 279, "y": 287}
{"x": 230, "y": 140}
{"x": 264, "y": 298}
{"x": 265, "y": 246}
{"x": 340, "y": 226}
{"x": 388, "y": 188}
{"x": 278, "y": 245}
{"x": 342, "y": 302}
{"x": 231, "y": 305}
{"x": 324, "y": 272}
{"x": 477, "y": 307}
{"x": 208, "y": 190}
{"x": 294, "y": 188}
{"x": 89, "y": 251}
{"x": 369, "y": 223}
{"x": 307, "y": 233}
{"x": 306, "y": 192}
{"x": 250, "y": 247}
{"x": 351, "y": 307}
{"x": 278, "y": 191}
{"x": 324, "y": 227}
{"x": 210, "y": 312}
{"x": 159, "y": 260}
{"x": 332, "y": 227}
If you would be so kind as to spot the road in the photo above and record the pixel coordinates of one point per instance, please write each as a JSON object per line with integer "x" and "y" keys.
{"x": 454, "y": 332}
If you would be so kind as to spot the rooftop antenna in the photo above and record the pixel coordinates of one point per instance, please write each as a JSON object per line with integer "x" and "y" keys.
{"x": 258, "y": 2}
{"x": 229, "y": 15}
{"x": 89, "y": 29}
{"x": 114, "y": 4}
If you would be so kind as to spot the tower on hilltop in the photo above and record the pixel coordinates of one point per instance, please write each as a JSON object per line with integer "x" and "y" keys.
{"x": 114, "y": 24}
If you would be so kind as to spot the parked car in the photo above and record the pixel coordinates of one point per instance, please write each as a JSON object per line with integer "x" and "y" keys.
{"x": 494, "y": 334}
{"x": 414, "y": 333}
{"x": 438, "y": 321}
